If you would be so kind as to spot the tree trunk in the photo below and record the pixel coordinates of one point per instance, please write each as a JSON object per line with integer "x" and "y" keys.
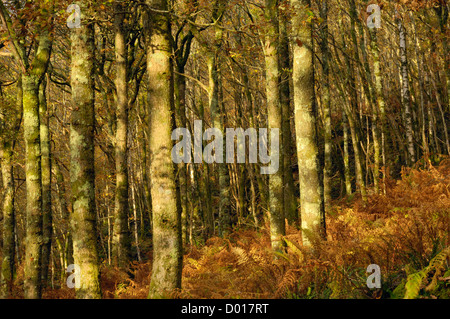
{"x": 348, "y": 183}
{"x": 326, "y": 106}
{"x": 46, "y": 168}
{"x": 406, "y": 98}
{"x": 380, "y": 107}
{"x": 121, "y": 234}
{"x": 290, "y": 203}
{"x": 82, "y": 172}
{"x": 7, "y": 265}
{"x": 274, "y": 115}
{"x": 167, "y": 240}
{"x": 311, "y": 200}
{"x": 9, "y": 214}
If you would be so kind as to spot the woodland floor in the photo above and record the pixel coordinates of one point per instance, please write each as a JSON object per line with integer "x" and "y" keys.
{"x": 405, "y": 232}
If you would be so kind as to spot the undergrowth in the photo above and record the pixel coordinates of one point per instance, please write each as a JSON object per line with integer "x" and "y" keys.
{"x": 405, "y": 232}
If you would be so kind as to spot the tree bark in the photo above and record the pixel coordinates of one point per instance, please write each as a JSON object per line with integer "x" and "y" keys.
{"x": 326, "y": 106}
{"x": 46, "y": 168}
{"x": 274, "y": 116}
{"x": 34, "y": 240}
{"x": 311, "y": 197}
{"x": 167, "y": 240}
{"x": 121, "y": 234}
{"x": 82, "y": 171}
{"x": 290, "y": 203}
{"x": 406, "y": 98}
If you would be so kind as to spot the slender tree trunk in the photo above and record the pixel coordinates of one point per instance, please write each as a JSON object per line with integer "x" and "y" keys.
{"x": 183, "y": 178}
{"x": 276, "y": 196}
{"x": 215, "y": 103}
{"x": 348, "y": 183}
{"x": 7, "y": 269}
{"x": 31, "y": 79}
{"x": 311, "y": 197}
{"x": 46, "y": 169}
{"x": 379, "y": 109}
{"x": 82, "y": 171}
{"x": 326, "y": 106}
{"x": 7, "y": 265}
{"x": 406, "y": 98}
{"x": 121, "y": 234}
{"x": 224, "y": 180}
{"x": 290, "y": 203}
{"x": 167, "y": 240}
{"x": 66, "y": 244}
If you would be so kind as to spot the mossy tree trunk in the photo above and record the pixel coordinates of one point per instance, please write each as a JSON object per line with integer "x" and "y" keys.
{"x": 9, "y": 217}
{"x": 7, "y": 265}
{"x": 167, "y": 240}
{"x": 311, "y": 197}
{"x": 121, "y": 234}
{"x": 32, "y": 73}
{"x": 405, "y": 93}
{"x": 46, "y": 168}
{"x": 66, "y": 252}
{"x": 214, "y": 106}
{"x": 290, "y": 203}
{"x": 379, "y": 109}
{"x": 34, "y": 238}
{"x": 82, "y": 172}
{"x": 326, "y": 99}
{"x": 274, "y": 115}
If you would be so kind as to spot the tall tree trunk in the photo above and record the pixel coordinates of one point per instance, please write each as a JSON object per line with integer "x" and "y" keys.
{"x": 406, "y": 98}
{"x": 215, "y": 103}
{"x": 33, "y": 245}
{"x": 181, "y": 121}
{"x": 379, "y": 108}
{"x": 326, "y": 106}
{"x": 66, "y": 238}
{"x": 46, "y": 168}
{"x": 82, "y": 170}
{"x": 274, "y": 115}
{"x": 7, "y": 265}
{"x": 348, "y": 183}
{"x": 181, "y": 57}
{"x": 290, "y": 203}
{"x": 311, "y": 197}
{"x": 9, "y": 218}
{"x": 121, "y": 233}
{"x": 167, "y": 240}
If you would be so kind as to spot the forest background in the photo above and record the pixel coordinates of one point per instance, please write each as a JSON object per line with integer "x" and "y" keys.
{"x": 91, "y": 91}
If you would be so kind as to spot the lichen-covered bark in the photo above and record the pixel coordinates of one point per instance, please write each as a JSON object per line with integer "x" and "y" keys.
{"x": 167, "y": 241}
{"x": 66, "y": 253}
{"x": 181, "y": 121}
{"x": 7, "y": 265}
{"x": 31, "y": 77}
{"x": 326, "y": 105}
{"x": 82, "y": 173}
{"x": 33, "y": 241}
{"x": 9, "y": 135}
{"x": 311, "y": 201}
{"x": 290, "y": 202}
{"x": 379, "y": 110}
{"x": 406, "y": 98}
{"x": 348, "y": 183}
{"x": 46, "y": 168}
{"x": 214, "y": 107}
{"x": 274, "y": 115}
{"x": 121, "y": 234}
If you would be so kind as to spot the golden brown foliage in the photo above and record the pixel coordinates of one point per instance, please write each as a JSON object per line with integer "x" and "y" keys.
{"x": 403, "y": 232}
